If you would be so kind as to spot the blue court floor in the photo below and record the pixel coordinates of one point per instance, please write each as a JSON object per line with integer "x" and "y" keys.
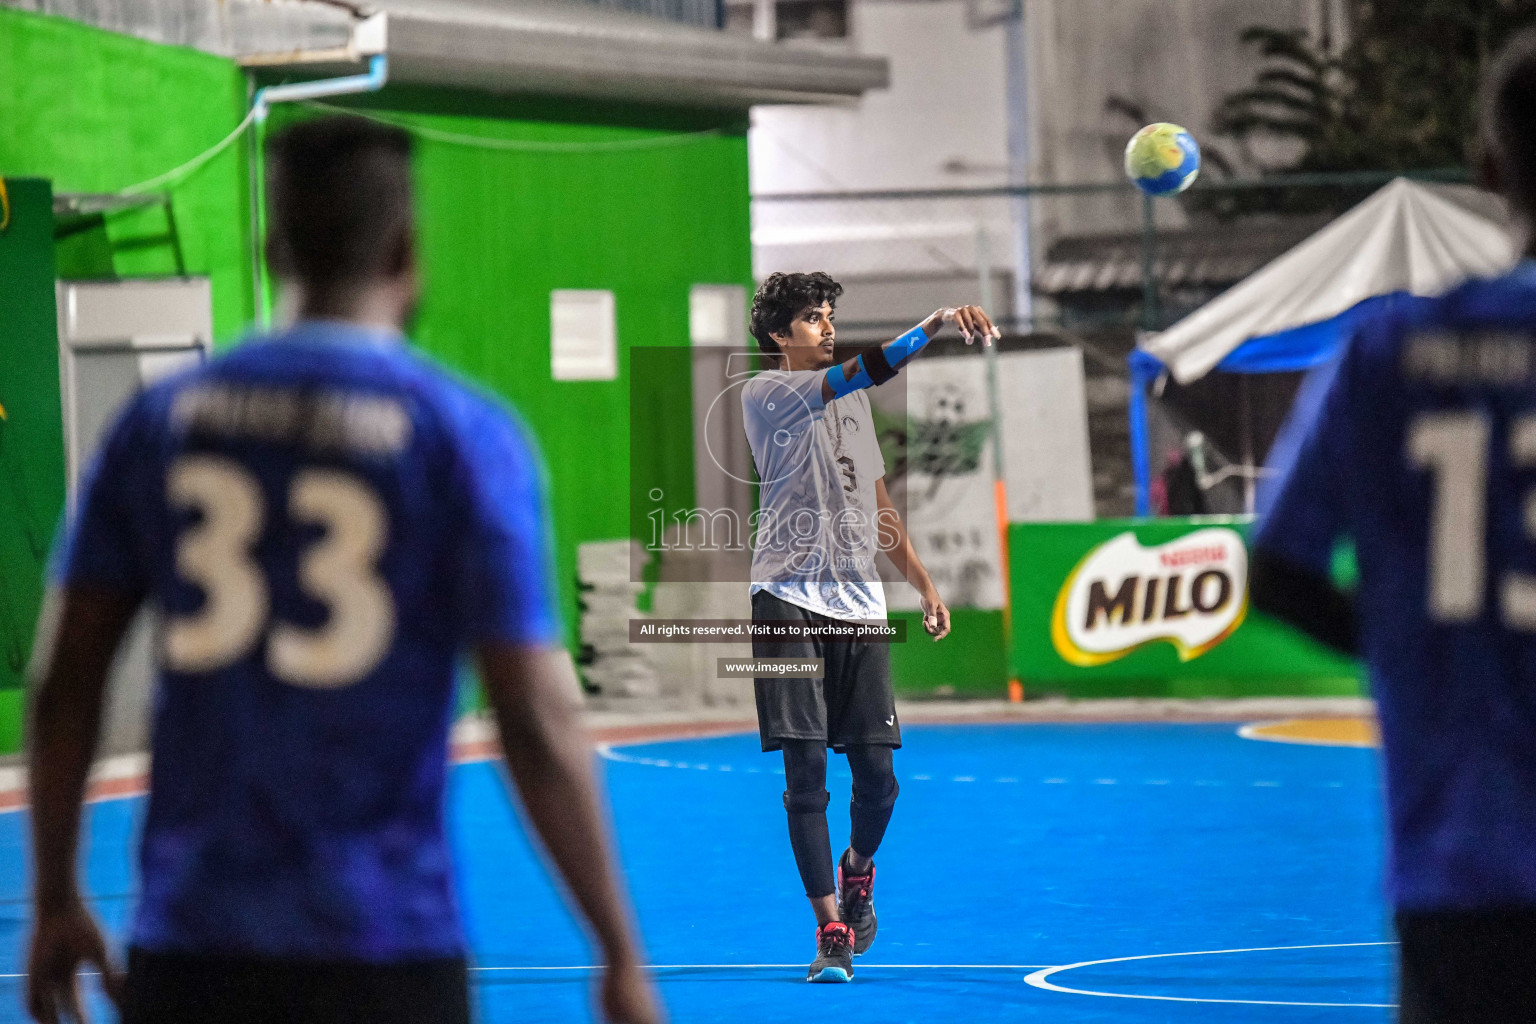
{"x": 1063, "y": 873}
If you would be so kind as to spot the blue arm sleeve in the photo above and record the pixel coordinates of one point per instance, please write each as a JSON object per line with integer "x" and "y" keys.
{"x": 906, "y": 346}
{"x": 842, "y": 384}
{"x": 894, "y": 355}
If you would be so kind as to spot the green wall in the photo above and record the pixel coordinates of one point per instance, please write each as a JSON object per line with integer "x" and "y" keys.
{"x": 500, "y": 230}
{"x": 96, "y": 112}
{"x": 31, "y": 434}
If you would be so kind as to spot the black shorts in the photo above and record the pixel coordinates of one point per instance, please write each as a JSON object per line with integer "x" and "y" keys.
{"x": 184, "y": 988}
{"x": 852, "y": 705}
{"x": 1467, "y": 966}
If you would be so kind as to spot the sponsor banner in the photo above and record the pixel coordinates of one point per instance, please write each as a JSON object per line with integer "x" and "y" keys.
{"x": 1098, "y": 606}
{"x": 1191, "y": 592}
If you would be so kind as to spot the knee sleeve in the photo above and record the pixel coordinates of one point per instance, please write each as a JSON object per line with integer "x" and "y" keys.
{"x": 874, "y": 797}
{"x": 805, "y": 776}
{"x": 806, "y": 801}
{"x": 882, "y": 798}
{"x": 874, "y": 777}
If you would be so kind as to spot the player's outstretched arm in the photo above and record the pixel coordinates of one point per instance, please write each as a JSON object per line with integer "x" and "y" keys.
{"x": 897, "y": 546}
{"x": 1304, "y": 601}
{"x": 880, "y": 365}
{"x": 77, "y": 636}
{"x": 534, "y": 693}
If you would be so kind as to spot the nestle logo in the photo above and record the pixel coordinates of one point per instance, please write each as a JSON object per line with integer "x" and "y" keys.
{"x": 1191, "y": 556}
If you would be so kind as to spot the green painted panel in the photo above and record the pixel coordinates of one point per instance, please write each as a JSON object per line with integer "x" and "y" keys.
{"x": 499, "y": 230}
{"x": 96, "y": 111}
{"x": 31, "y": 433}
{"x": 1259, "y": 657}
{"x": 969, "y": 662}
{"x": 12, "y": 720}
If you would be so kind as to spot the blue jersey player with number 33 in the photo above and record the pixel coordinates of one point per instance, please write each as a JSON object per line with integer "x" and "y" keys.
{"x": 1419, "y": 444}
{"x": 324, "y": 522}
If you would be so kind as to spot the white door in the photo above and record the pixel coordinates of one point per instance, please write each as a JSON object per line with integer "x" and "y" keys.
{"x": 115, "y": 339}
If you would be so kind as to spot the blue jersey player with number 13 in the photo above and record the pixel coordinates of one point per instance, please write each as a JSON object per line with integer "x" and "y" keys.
{"x": 1419, "y": 444}
{"x": 325, "y": 522}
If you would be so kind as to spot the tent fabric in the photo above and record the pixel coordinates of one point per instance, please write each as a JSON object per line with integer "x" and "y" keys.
{"x": 1216, "y": 404}
{"x": 1304, "y": 347}
{"x": 1407, "y": 237}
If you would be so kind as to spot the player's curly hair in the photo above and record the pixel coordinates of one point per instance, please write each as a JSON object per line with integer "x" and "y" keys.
{"x": 783, "y": 297}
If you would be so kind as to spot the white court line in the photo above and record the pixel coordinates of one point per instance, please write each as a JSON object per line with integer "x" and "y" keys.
{"x": 751, "y": 967}
{"x": 607, "y": 752}
{"x": 1039, "y": 979}
{"x": 731, "y": 967}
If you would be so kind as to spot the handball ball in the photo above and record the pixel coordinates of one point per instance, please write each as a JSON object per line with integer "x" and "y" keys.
{"x": 1162, "y": 159}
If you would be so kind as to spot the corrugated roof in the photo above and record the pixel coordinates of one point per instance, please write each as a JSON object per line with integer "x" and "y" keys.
{"x": 576, "y": 49}
{"x": 501, "y": 46}
{"x": 1208, "y": 256}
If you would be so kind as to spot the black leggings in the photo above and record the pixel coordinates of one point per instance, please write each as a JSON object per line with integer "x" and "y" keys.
{"x": 805, "y": 801}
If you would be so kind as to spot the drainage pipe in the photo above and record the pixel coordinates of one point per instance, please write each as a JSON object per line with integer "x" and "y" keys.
{"x": 262, "y": 102}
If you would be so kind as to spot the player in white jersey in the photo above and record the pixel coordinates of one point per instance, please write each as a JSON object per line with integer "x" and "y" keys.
{"x": 824, "y": 515}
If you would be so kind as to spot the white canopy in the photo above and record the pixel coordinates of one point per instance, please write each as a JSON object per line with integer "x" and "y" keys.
{"x": 1408, "y": 236}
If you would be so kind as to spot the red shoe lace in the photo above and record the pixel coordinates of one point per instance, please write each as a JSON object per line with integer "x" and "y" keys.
{"x": 835, "y": 932}
{"x": 862, "y": 883}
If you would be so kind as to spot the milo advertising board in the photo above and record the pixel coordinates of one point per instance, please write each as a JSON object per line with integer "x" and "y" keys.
{"x": 1154, "y": 608}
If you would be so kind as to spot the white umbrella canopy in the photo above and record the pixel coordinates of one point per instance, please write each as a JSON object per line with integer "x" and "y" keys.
{"x": 1406, "y": 237}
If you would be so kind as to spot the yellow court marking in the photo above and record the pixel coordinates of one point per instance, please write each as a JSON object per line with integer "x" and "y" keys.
{"x": 1325, "y": 732}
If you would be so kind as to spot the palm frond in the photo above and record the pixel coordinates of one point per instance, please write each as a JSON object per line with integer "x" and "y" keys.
{"x": 1250, "y": 99}
{"x": 1309, "y": 85}
{"x": 1284, "y": 44}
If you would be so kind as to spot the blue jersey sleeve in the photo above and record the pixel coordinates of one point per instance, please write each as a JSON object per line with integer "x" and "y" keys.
{"x": 504, "y": 556}
{"x": 101, "y": 546}
{"x": 1302, "y": 506}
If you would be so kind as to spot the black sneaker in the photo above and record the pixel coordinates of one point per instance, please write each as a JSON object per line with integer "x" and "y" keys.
{"x": 856, "y": 903}
{"x": 834, "y": 953}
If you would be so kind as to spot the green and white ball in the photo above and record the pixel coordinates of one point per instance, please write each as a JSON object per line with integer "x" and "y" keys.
{"x": 1162, "y": 159}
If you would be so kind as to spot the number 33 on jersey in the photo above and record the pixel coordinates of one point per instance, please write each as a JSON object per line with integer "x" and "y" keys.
{"x": 319, "y": 514}
{"x": 341, "y": 569}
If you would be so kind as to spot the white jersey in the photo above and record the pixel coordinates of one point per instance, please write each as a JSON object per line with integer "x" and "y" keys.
{"x": 814, "y": 541}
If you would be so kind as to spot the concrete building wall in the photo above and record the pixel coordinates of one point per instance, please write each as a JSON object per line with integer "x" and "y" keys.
{"x": 946, "y": 105}
{"x": 944, "y": 123}
{"x": 1174, "y": 59}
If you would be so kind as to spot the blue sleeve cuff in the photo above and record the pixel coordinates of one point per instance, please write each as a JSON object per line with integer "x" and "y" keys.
{"x": 906, "y": 346}
{"x": 844, "y": 385}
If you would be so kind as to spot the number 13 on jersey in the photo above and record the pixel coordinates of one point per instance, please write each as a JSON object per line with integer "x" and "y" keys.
{"x": 1454, "y": 447}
